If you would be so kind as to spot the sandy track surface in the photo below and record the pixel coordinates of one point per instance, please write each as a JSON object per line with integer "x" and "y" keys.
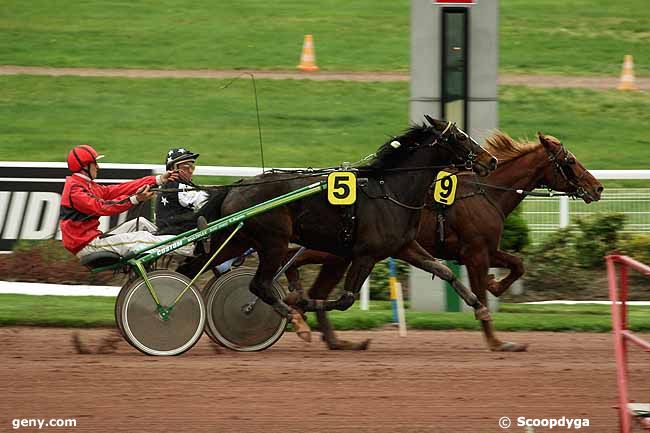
{"x": 426, "y": 382}
{"x": 600, "y": 83}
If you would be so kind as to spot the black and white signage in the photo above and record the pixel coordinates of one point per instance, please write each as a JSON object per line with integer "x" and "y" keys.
{"x": 30, "y": 197}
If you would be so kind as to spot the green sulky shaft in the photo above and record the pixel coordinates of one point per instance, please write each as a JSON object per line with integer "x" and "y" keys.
{"x": 194, "y": 234}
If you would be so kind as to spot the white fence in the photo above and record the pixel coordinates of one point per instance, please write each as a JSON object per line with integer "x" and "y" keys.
{"x": 545, "y": 215}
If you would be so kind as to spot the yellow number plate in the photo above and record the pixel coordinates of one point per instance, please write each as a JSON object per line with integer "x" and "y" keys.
{"x": 445, "y": 190}
{"x": 341, "y": 188}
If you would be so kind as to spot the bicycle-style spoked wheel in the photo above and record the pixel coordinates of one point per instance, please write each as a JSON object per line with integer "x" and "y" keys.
{"x": 153, "y": 332}
{"x": 237, "y": 319}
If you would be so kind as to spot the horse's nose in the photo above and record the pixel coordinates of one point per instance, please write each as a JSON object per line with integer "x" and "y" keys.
{"x": 493, "y": 163}
{"x": 600, "y": 189}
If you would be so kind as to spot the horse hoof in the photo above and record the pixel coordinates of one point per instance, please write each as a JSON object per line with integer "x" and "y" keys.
{"x": 301, "y": 327}
{"x": 494, "y": 288}
{"x": 79, "y": 346}
{"x": 292, "y": 298}
{"x": 348, "y": 345}
{"x": 363, "y": 345}
{"x": 109, "y": 343}
{"x": 482, "y": 314}
{"x": 304, "y": 336}
{"x": 509, "y": 346}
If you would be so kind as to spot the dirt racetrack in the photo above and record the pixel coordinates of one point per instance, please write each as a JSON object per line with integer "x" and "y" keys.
{"x": 427, "y": 382}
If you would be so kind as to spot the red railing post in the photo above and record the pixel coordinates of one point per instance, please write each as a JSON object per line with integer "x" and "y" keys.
{"x": 620, "y": 329}
{"x": 623, "y": 308}
{"x": 621, "y": 371}
{"x": 623, "y": 293}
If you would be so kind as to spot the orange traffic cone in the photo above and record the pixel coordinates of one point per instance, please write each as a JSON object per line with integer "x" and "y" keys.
{"x": 308, "y": 57}
{"x": 627, "y": 76}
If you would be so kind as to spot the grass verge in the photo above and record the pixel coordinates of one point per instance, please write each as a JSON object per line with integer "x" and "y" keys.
{"x": 92, "y": 311}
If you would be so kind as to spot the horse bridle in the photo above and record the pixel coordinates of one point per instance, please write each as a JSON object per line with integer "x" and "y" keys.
{"x": 563, "y": 160}
{"x": 442, "y": 140}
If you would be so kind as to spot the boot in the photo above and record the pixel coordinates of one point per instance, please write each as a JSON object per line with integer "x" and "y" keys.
{"x": 202, "y": 224}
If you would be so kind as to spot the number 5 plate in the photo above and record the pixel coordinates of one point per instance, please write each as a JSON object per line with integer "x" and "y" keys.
{"x": 341, "y": 188}
{"x": 445, "y": 190}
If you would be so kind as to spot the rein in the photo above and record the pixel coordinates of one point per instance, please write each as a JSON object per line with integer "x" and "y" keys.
{"x": 439, "y": 140}
{"x": 550, "y": 192}
{"x": 560, "y": 163}
{"x": 302, "y": 174}
{"x": 483, "y": 191}
{"x": 387, "y": 196}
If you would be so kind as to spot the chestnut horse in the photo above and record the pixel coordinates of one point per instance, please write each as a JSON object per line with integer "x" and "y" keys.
{"x": 400, "y": 173}
{"x": 474, "y": 224}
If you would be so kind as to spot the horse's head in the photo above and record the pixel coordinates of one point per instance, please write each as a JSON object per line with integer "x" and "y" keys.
{"x": 565, "y": 173}
{"x": 465, "y": 149}
{"x": 441, "y": 144}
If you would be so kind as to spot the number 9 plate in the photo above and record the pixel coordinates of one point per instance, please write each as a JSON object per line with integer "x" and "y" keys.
{"x": 445, "y": 190}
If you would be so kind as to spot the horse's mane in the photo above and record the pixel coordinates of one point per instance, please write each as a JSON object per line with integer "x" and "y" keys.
{"x": 387, "y": 155}
{"x": 505, "y": 148}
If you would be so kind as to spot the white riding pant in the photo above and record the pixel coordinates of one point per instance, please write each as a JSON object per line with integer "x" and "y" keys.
{"x": 131, "y": 242}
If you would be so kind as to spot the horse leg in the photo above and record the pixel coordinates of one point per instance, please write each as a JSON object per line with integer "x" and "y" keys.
{"x": 262, "y": 286}
{"x": 477, "y": 265}
{"x": 308, "y": 257}
{"x": 357, "y": 274}
{"x": 360, "y": 268}
{"x": 296, "y": 291}
{"x": 417, "y": 256}
{"x": 330, "y": 274}
{"x": 332, "y": 270}
{"x": 502, "y": 259}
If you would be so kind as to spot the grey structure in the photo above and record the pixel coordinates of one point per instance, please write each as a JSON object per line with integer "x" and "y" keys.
{"x": 482, "y": 60}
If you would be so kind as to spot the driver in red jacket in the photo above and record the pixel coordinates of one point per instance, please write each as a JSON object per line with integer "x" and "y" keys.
{"x": 83, "y": 201}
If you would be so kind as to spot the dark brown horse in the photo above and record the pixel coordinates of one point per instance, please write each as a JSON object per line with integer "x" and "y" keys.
{"x": 387, "y": 215}
{"x": 474, "y": 224}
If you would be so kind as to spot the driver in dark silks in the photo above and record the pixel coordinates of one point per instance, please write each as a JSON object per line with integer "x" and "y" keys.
{"x": 176, "y": 208}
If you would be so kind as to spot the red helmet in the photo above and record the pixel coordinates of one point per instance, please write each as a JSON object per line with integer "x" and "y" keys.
{"x": 82, "y": 156}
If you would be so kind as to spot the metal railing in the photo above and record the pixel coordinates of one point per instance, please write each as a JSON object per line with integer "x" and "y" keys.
{"x": 546, "y": 215}
{"x": 618, "y": 289}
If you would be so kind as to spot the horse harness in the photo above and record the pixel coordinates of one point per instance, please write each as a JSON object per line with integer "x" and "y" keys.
{"x": 348, "y": 226}
{"x": 564, "y": 162}
{"x": 442, "y": 209}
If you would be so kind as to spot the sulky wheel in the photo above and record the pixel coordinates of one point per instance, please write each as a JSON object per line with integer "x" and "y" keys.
{"x": 149, "y": 331}
{"x": 237, "y": 319}
{"x": 119, "y": 302}
{"x": 206, "y": 295}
